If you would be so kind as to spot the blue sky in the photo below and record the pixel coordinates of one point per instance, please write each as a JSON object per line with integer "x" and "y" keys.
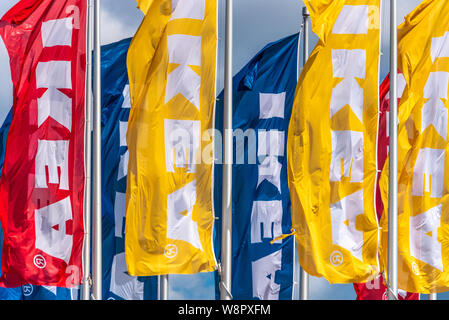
{"x": 256, "y": 23}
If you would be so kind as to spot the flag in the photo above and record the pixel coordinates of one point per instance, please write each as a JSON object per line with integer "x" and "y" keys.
{"x": 28, "y": 291}
{"x": 144, "y": 5}
{"x": 331, "y": 148}
{"x": 169, "y": 212}
{"x": 42, "y": 183}
{"x": 423, "y": 165}
{"x": 376, "y": 288}
{"x": 13, "y": 293}
{"x": 117, "y": 284}
{"x": 262, "y": 103}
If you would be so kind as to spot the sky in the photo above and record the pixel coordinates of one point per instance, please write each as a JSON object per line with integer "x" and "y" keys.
{"x": 256, "y": 23}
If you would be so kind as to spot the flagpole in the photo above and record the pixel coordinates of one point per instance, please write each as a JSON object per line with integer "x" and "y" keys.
{"x": 298, "y": 73}
{"x": 393, "y": 163}
{"x": 163, "y": 287}
{"x": 226, "y": 251}
{"x": 304, "y": 278}
{"x": 85, "y": 295}
{"x": 96, "y": 231}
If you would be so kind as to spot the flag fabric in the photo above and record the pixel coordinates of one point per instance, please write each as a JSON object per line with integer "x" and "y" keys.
{"x": 331, "y": 145}
{"x": 144, "y": 5}
{"x": 6, "y": 293}
{"x": 423, "y": 202}
{"x": 263, "y": 97}
{"x": 117, "y": 284}
{"x": 169, "y": 212}
{"x": 42, "y": 183}
{"x": 28, "y": 291}
{"x": 376, "y": 288}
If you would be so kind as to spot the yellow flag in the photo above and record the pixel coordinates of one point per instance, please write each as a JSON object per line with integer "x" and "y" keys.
{"x": 332, "y": 143}
{"x": 423, "y": 189}
{"x": 169, "y": 212}
{"x": 144, "y": 5}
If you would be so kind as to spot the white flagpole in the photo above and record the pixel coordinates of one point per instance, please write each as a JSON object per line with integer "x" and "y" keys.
{"x": 304, "y": 278}
{"x": 393, "y": 163}
{"x": 226, "y": 250}
{"x": 96, "y": 231}
{"x": 85, "y": 295}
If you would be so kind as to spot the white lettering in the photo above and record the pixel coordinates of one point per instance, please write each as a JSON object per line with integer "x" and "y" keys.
{"x": 347, "y": 155}
{"x": 423, "y": 237}
{"x": 180, "y": 225}
{"x": 57, "y": 32}
{"x": 182, "y": 137}
{"x": 266, "y": 215}
{"x": 50, "y": 224}
{"x": 349, "y": 65}
{"x": 428, "y": 173}
{"x": 264, "y": 274}
{"x": 54, "y": 155}
{"x": 343, "y": 219}
{"x": 184, "y": 50}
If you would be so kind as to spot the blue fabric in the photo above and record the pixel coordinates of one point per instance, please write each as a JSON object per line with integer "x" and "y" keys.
{"x": 272, "y": 71}
{"x": 115, "y": 110}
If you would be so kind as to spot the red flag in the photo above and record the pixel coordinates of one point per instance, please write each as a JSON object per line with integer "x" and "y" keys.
{"x": 376, "y": 289}
{"x": 42, "y": 184}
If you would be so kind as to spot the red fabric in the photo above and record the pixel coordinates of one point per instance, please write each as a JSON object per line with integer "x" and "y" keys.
{"x": 376, "y": 290}
{"x": 20, "y": 198}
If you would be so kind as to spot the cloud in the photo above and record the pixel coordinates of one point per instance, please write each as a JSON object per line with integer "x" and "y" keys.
{"x": 119, "y": 20}
{"x": 192, "y": 287}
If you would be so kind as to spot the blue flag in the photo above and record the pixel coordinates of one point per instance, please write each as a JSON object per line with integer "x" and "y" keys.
{"x": 117, "y": 284}
{"x": 262, "y": 103}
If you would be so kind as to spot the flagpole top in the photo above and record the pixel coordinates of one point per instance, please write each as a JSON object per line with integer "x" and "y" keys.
{"x": 305, "y": 12}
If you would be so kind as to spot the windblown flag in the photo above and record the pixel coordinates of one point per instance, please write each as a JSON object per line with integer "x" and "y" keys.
{"x": 117, "y": 284}
{"x": 263, "y": 97}
{"x": 332, "y": 144}
{"x": 144, "y": 5}
{"x": 423, "y": 140}
{"x": 376, "y": 288}
{"x": 42, "y": 183}
{"x": 169, "y": 212}
{"x": 28, "y": 291}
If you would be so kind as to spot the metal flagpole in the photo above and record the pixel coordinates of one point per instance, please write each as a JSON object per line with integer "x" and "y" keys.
{"x": 96, "y": 230}
{"x": 163, "y": 287}
{"x": 226, "y": 250}
{"x": 433, "y": 296}
{"x": 393, "y": 163}
{"x": 304, "y": 278}
{"x": 298, "y": 73}
{"x": 85, "y": 295}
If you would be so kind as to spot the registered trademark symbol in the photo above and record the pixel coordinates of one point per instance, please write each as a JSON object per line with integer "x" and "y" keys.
{"x": 27, "y": 290}
{"x": 171, "y": 251}
{"x": 336, "y": 258}
{"x": 415, "y": 268}
{"x": 39, "y": 261}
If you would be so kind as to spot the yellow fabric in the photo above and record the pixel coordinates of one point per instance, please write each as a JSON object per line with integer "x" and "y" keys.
{"x": 144, "y": 5}
{"x": 149, "y": 250}
{"x": 310, "y": 149}
{"x": 416, "y": 37}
